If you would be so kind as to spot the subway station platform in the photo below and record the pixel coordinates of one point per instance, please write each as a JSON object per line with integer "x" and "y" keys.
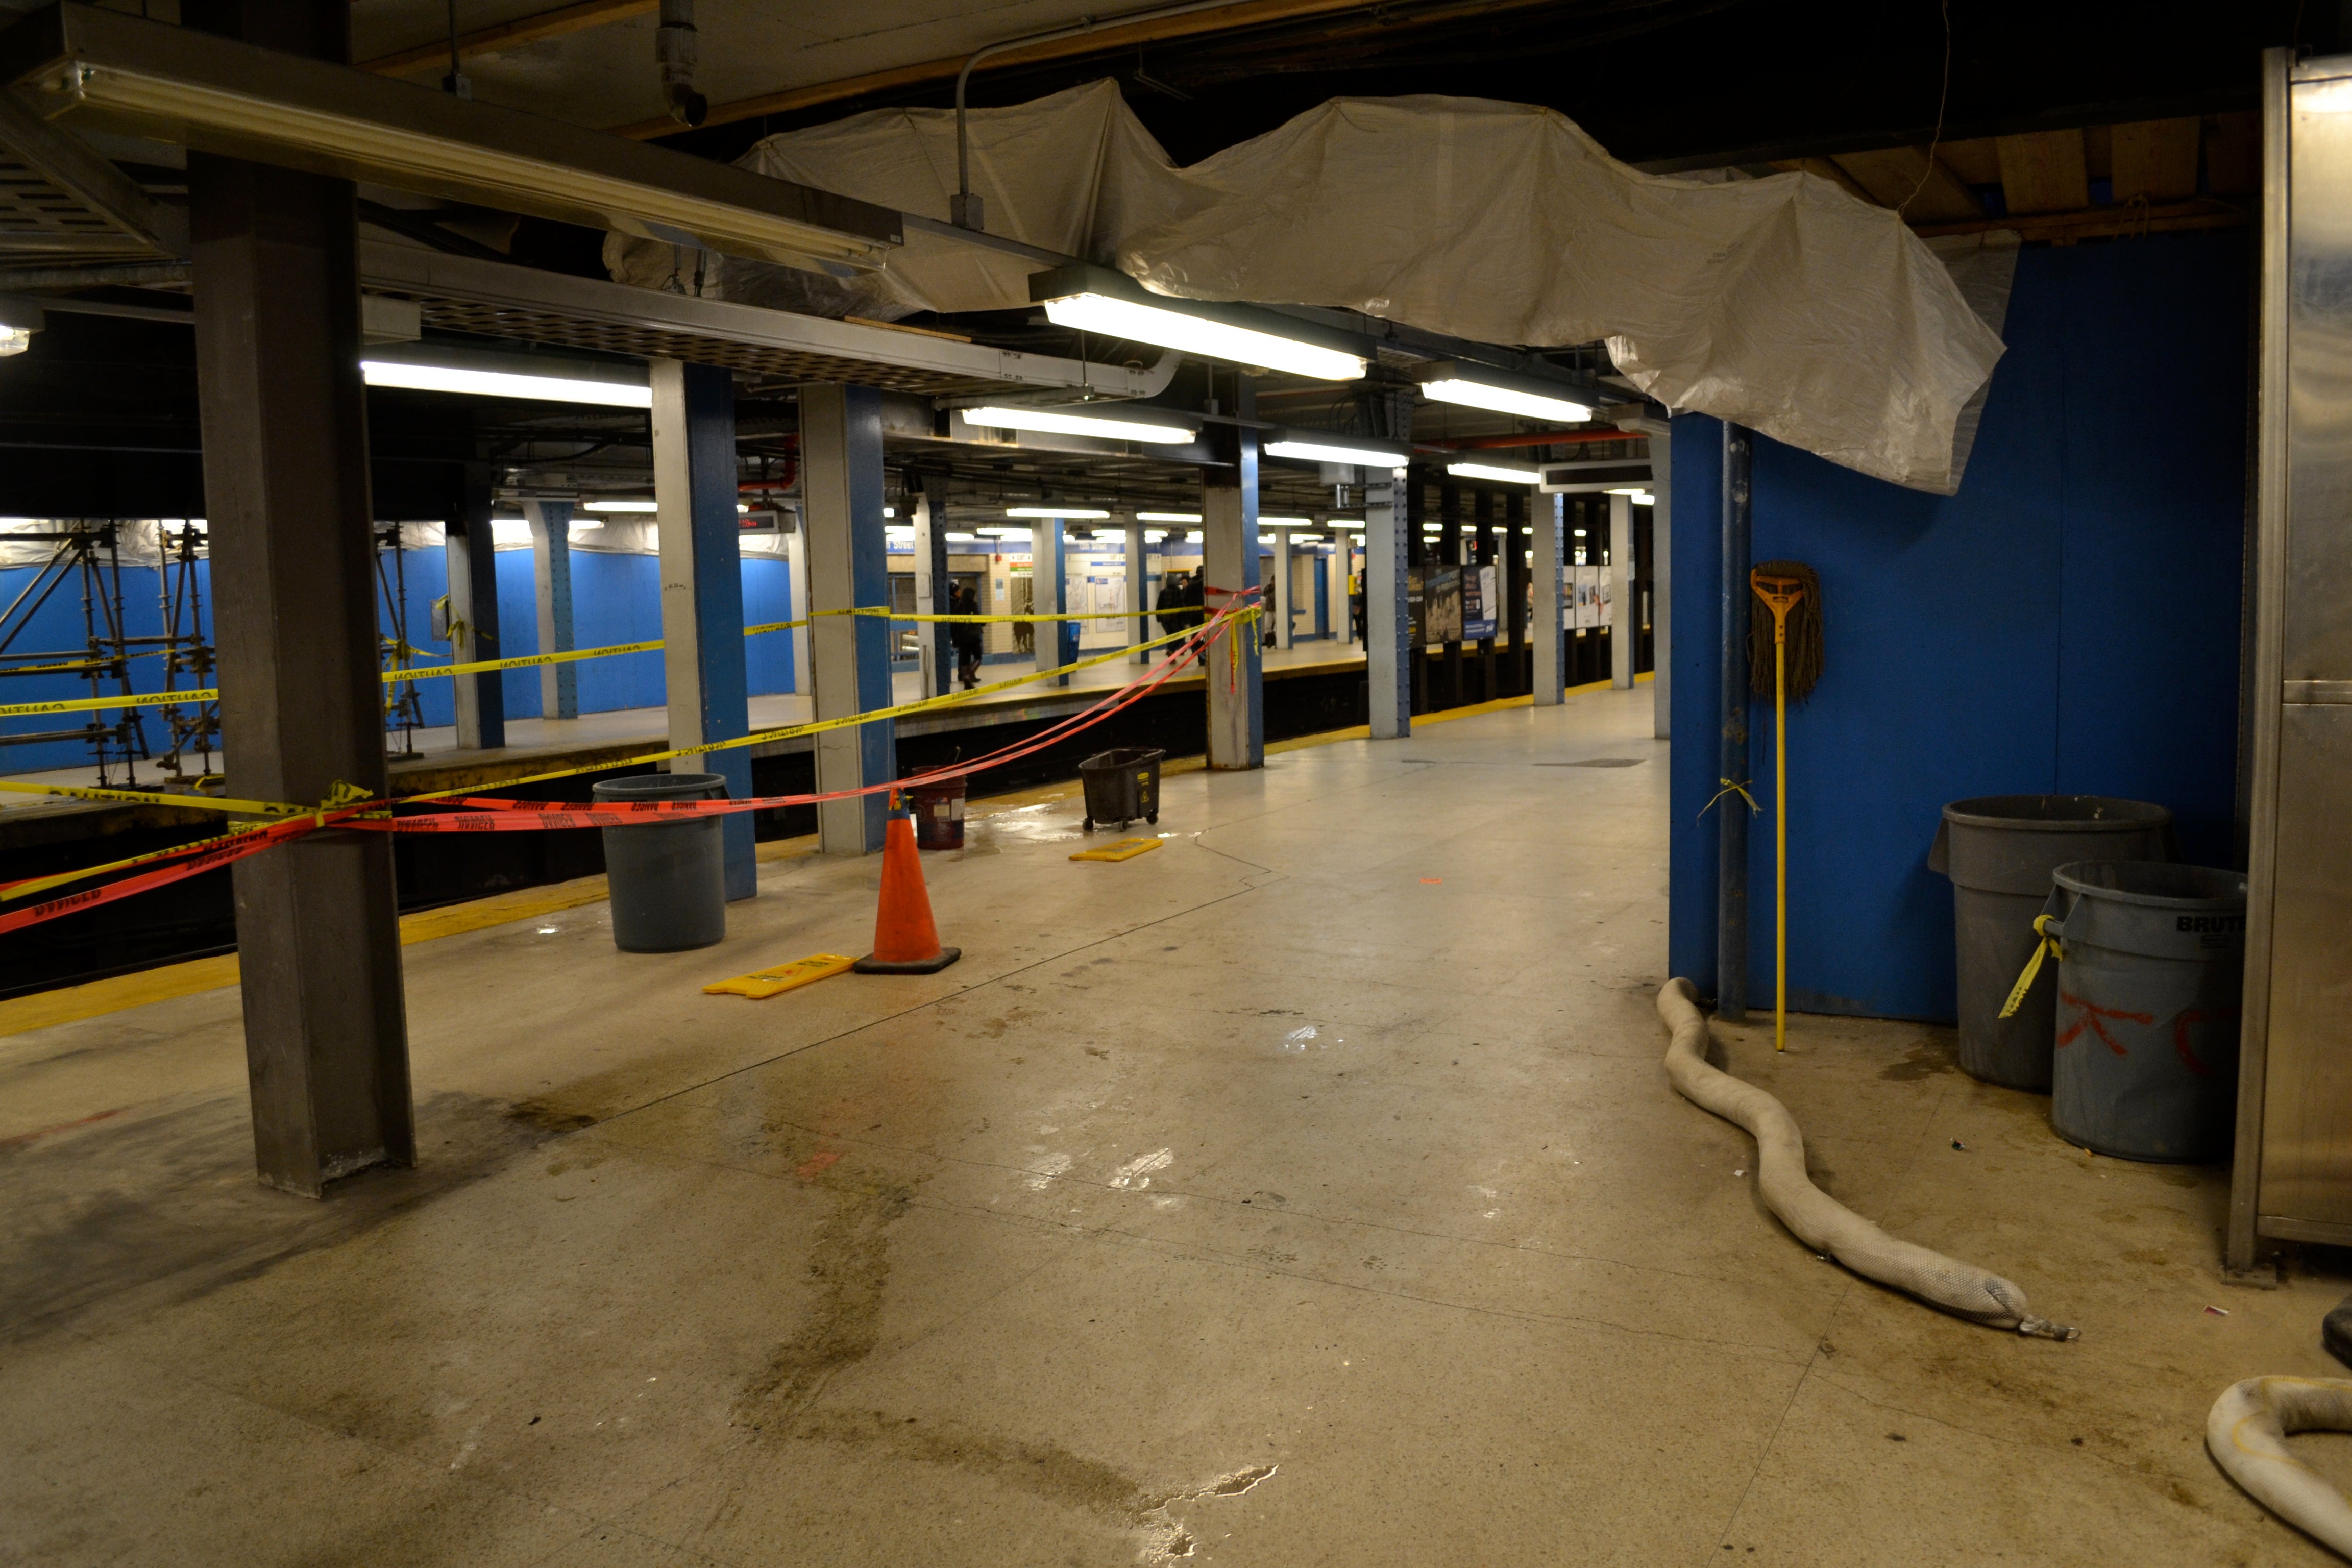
{"x": 1307, "y": 1191}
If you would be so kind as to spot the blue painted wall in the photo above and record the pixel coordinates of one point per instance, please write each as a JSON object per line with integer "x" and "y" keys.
{"x": 2069, "y": 623}
{"x": 615, "y": 599}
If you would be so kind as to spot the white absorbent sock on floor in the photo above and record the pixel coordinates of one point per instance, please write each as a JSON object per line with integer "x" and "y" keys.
{"x": 1819, "y": 1221}
{"x": 2246, "y": 1434}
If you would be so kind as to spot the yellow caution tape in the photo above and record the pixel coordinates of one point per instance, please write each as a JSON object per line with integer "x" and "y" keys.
{"x": 2047, "y": 946}
{"x": 135, "y": 699}
{"x": 929, "y": 704}
{"x": 1730, "y": 787}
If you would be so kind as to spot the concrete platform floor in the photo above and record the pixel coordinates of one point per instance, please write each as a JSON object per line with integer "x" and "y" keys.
{"x": 1306, "y": 1192}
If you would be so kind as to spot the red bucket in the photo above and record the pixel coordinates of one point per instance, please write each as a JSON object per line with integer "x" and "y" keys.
{"x": 937, "y": 810}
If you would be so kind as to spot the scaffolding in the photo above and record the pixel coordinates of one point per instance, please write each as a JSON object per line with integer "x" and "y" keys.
{"x": 403, "y": 711}
{"x": 88, "y": 551}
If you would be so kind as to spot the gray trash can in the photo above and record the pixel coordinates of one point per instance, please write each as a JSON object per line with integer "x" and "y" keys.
{"x": 2152, "y": 958}
{"x": 668, "y": 876}
{"x": 1999, "y": 850}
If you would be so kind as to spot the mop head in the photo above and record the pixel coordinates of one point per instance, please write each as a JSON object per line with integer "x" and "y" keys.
{"x": 1804, "y": 630}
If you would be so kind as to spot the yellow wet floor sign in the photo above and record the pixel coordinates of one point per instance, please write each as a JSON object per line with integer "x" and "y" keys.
{"x": 765, "y": 983}
{"x": 1125, "y": 849}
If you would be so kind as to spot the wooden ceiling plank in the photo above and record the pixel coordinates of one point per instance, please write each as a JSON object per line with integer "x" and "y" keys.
{"x": 2156, "y": 159}
{"x": 555, "y": 23}
{"x": 1976, "y": 161}
{"x": 1829, "y": 171}
{"x": 2044, "y": 172}
{"x": 1904, "y": 177}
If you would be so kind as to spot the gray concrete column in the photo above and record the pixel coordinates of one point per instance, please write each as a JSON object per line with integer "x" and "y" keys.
{"x": 1387, "y": 633}
{"x": 293, "y": 572}
{"x": 841, "y": 469}
{"x": 1549, "y": 516}
{"x": 796, "y": 584}
{"x": 551, "y": 575}
{"x": 1229, "y": 569}
{"x": 469, "y": 553}
{"x": 704, "y": 665}
{"x": 1139, "y": 628}
{"x": 1624, "y": 615}
{"x": 1279, "y": 598}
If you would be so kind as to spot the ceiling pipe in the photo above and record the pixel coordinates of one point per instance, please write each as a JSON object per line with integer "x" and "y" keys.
{"x": 1541, "y": 438}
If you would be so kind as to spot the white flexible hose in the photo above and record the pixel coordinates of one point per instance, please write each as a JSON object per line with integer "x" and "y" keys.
{"x": 1819, "y": 1221}
{"x": 2246, "y": 1434}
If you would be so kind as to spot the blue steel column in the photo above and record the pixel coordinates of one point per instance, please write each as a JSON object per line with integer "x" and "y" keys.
{"x": 704, "y": 663}
{"x": 550, "y": 553}
{"x": 1049, "y": 595}
{"x": 1732, "y": 807}
{"x": 841, "y": 468}
{"x": 467, "y": 550}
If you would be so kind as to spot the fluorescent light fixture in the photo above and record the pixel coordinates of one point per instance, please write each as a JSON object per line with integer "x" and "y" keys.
{"x": 15, "y": 340}
{"x": 503, "y": 384}
{"x": 108, "y": 70}
{"x": 1509, "y": 476}
{"x": 962, "y": 538}
{"x": 1060, "y": 422}
{"x": 1097, "y": 300}
{"x": 1502, "y": 400}
{"x": 1191, "y": 335}
{"x": 1580, "y": 534}
{"x": 623, "y": 506}
{"x": 1331, "y": 449}
{"x": 889, "y": 511}
{"x": 585, "y": 524}
{"x": 1501, "y": 392}
{"x": 1167, "y": 517}
{"x": 1064, "y": 512}
{"x": 1266, "y": 521}
{"x": 1640, "y": 496}
{"x": 1343, "y": 523}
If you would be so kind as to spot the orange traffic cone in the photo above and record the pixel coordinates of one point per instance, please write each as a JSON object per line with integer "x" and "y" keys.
{"x": 905, "y": 940}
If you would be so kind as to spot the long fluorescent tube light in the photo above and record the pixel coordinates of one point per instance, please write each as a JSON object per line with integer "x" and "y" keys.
{"x": 1640, "y": 497}
{"x": 1054, "y": 421}
{"x": 1266, "y": 521}
{"x": 1495, "y": 471}
{"x": 623, "y": 506}
{"x": 1502, "y": 392}
{"x": 92, "y": 68}
{"x": 504, "y": 383}
{"x": 1503, "y": 400}
{"x": 1167, "y": 517}
{"x": 583, "y": 524}
{"x": 1098, "y": 300}
{"x": 1315, "y": 450}
{"x": 1064, "y": 512}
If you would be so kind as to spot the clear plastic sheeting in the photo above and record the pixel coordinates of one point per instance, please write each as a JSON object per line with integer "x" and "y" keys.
{"x": 1782, "y": 303}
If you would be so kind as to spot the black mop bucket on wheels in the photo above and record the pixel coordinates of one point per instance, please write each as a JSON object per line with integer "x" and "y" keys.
{"x": 2151, "y": 958}
{"x": 1121, "y": 785}
{"x": 2000, "y": 850}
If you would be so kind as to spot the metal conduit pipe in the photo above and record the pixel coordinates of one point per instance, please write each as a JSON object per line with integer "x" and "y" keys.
{"x": 963, "y": 210}
{"x": 1731, "y": 780}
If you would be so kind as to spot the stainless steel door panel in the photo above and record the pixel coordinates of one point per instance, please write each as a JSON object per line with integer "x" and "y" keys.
{"x": 2306, "y": 1157}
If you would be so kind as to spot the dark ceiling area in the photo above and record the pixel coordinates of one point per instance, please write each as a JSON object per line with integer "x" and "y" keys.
{"x": 1687, "y": 83}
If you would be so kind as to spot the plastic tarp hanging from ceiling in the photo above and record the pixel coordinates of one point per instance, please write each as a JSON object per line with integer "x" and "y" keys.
{"x": 1782, "y": 303}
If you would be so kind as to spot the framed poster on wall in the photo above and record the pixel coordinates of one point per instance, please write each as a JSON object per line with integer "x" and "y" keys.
{"x": 1480, "y": 603}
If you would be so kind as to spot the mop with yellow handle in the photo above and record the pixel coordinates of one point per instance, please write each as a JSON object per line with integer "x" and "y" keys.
{"x": 1792, "y": 592}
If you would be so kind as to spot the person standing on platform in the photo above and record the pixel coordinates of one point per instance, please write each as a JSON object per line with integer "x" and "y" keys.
{"x": 965, "y": 634}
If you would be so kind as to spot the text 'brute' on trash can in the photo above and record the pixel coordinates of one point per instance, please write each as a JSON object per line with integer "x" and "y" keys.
{"x": 2151, "y": 961}
{"x": 1121, "y": 785}
{"x": 669, "y": 874}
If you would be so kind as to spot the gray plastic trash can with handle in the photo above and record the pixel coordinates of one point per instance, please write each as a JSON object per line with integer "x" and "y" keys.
{"x": 2151, "y": 965}
{"x": 1999, "y": 850}
{"x": 668, "y": 876}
